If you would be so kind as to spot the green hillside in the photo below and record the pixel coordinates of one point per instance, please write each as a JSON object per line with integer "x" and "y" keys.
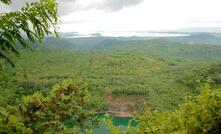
{"x": 120, "y": 76}
{"x": 155, "y": 69}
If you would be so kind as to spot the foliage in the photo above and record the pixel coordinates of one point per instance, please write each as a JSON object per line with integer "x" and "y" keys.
{"x": 47, "y": 114}
{"x": 96, "y": 102}
{"x": 40, "y": 16}
{"x": 108, "y": 121}
{"x": 8, "y": 91}
{"x": 215, "y": 74}
{"x": 199, "y": 115}
{"x": 117, "y": 73}
{"x": 162, "y": 77}
{"x": 63, "y": 110}
{"x": 6, "y": 1}
{"x": 198, "y": 77}
{"x": 11, "y": 122}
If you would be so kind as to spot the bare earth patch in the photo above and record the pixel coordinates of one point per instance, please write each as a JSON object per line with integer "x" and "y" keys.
{"x": 123, "y": 106}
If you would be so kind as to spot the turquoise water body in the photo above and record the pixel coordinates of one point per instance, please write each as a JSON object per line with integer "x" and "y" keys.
{"x": 120, "y": 122}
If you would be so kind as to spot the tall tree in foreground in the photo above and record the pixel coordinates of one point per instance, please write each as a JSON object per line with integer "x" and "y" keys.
{"x": 34, "y": 21}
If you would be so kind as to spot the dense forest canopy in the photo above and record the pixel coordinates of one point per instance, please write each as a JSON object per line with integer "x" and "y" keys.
{"x": 67, "y": 85}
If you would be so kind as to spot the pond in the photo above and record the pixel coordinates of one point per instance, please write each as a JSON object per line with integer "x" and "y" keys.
{"x": 120, "y": 122}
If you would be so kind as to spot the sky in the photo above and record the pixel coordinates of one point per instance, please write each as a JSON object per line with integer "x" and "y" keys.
{"x": 141, "y": 15}
{"x": 133, "y": 15}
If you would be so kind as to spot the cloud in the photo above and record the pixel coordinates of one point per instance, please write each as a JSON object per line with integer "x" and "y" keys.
{"x": 75, "y": 21}
{"x": 64, "y": 6}
{"x": 206, "y": 21}
{"x": 114, "y": 5}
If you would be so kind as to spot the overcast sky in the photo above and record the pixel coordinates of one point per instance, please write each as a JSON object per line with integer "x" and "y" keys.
{"x": 134, "y": 15}
{"x": 141, "y": 15}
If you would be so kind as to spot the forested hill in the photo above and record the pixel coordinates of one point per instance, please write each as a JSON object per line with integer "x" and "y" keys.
{"x": 119, "y": 74}
{"x": 100, "y": 43}
{"x": 167, "y": 47}
{"x": 159, "y": 69}
{"x": 199, "y": 38}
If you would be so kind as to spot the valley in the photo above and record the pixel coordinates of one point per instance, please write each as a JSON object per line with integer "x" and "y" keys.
{"x": 156, "y": 71}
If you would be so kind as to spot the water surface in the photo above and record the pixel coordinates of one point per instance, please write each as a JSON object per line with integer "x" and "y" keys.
{"x": 120, "y": 122}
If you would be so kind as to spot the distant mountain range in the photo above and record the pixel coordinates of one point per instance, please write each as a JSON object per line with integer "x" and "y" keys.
{"x": 100, "y": 43}
{"x": 199, "y": 38}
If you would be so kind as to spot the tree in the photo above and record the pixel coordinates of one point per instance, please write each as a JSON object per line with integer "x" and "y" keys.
{"x": 200, "y": 115}
{"x": 63, "y": 110}
{"x": 66, "y": 102}
{"x": 35, "y": 20}
{"x": 11, "y": 122}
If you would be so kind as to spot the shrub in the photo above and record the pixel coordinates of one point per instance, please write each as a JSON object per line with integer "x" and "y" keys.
{"x": 62, "y": 111}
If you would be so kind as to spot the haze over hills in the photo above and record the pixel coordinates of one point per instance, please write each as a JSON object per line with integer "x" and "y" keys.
{"x": 97, "y": 42}
{"x": 157, "y": 33}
